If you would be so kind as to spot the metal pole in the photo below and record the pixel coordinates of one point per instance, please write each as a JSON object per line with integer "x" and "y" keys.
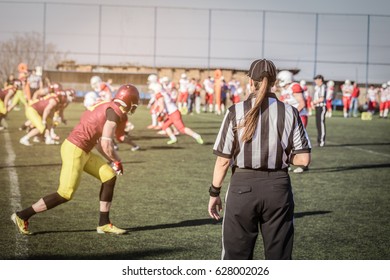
{"x": 44, "y": 36}
{"x": 209, "y": 47}
{"x": 263, "y": 42}
{"x": 100, "y": 34}
{"x": 155, "y": 37}
{"x": 315, "y": 47}
{"x": 368, "y": 49}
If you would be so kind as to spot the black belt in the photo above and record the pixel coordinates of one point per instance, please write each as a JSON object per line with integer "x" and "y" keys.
{"x": 247, "y": 170}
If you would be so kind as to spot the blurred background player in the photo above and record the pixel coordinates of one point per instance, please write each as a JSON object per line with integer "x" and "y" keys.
{"x": 384, "y": 98}
{"x": 173, "y": 115}
{"x": 307, "y": 97}
{"x": 235, "y": 91}
{"x": 182, "y": 100}
{"x": 40, "y": 116}
{"x": 208, "y": 85}
{"x": 353, "y": 109}
{"x": 346, "y": 89}
{"x": 5, "y": 99}
{"x": 97, "y": 128}
{"x": 292, "y": 94}
{"x": 154, "y": 88}
{"x": 372, "y": 99}
{"x": 329, "y": 98}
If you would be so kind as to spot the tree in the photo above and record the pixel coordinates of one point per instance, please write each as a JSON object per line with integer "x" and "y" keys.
{"x": 28, "y": 48}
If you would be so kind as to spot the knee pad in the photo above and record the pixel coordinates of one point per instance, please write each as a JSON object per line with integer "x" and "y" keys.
{"x": 53, "y": 200}
{"x": 107, "y": 190}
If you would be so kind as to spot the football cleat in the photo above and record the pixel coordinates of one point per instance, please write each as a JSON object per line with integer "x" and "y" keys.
{"x": 24, "y": 141}
{"x": 199, "y": 140}
{"x": 110, "y": 228}
{"x": 22, "y": 225}
{"x": 172, "y": 141}
{"x": 136, "y": 148}
{"x": 51, "y": 141}
{"x": 301, "y": 169}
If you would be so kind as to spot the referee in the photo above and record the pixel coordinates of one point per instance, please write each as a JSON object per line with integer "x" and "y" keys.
{"x": 259, "y": 138}
{"x": 319, "y": 101}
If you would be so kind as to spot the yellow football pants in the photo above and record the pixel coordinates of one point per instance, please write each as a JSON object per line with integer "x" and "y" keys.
{"x": 74, "y": 162}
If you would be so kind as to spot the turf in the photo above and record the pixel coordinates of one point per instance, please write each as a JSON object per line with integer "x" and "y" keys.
{"x": 342, "y": 203}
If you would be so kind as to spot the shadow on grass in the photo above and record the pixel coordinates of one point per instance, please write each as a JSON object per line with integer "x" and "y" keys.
{"x": 346, "y": 168}
{"x": 310, "y": 213}
{"x": 157, "y": 253}
{"x": 188, "y": 223}
{"x": 52, "y": 164}
{"x": 165, "y": 148}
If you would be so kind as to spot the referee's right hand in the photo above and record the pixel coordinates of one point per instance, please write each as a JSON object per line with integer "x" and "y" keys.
{"x": 215, "y": 206}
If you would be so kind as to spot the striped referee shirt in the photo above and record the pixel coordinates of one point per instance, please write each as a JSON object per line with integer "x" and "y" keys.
{"x": 320, "y": 91}
{"x": 279, "y": 134}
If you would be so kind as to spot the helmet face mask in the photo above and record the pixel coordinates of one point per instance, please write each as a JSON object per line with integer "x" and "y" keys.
{"x": 128, "y": 97}
{"x": 17, "y": 83}
{"x": 95, "y": 83}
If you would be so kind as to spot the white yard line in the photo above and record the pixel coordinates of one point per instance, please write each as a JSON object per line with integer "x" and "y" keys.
{"x": 21, "y": 241}
{"x": 361, "y": 150}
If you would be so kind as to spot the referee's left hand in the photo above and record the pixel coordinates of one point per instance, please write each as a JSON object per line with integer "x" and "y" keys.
{"x": 215, "y": 206}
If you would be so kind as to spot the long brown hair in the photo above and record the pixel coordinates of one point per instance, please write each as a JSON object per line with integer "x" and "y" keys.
{"x": 252, "y": 116}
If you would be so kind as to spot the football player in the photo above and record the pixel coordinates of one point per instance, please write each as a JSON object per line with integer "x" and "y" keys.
{"x": 346, "y": 89}
{"x": 5, "y": 96}
{"x": 173, "y": 115}
{"x": 97, "y": 128}
{"x": 40, "y": 115}
{"x": 292, "y": 94}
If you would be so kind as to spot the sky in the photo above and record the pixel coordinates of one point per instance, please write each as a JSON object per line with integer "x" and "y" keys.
{"x": 344, "y": 39}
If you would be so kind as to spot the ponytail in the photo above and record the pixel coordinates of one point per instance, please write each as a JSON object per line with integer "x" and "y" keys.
{"x": 251, "y": 118}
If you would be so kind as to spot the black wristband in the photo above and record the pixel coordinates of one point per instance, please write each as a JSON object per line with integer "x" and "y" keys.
{"x": 213, "y": 191}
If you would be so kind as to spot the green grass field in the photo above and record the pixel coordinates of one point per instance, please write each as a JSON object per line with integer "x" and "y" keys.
{"x": 342, "y": 203}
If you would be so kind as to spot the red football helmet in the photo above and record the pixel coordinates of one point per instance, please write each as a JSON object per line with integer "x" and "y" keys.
{"x": 71, "y": 94}
{"x": 17, "y": 83}
{"x": 128, "y": 97}
{"x": 55, "y": 87}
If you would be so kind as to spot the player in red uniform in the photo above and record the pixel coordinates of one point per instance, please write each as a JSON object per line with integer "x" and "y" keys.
{"x": 40, "y": 115}
{"x": 5, "y": 96}
{"x": 97, "y": 128}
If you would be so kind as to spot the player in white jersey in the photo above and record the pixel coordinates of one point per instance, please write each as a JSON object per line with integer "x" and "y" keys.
{"x": 307, "y": 97}
{"x": 208, "y": 85}
{"x": 346, "y": 89}
{"x": 329, "y": 98}
{"x": 173, "y": 116}
{"x": 384, "y": 94}
{"x": 154, "y": 87}
{"x": 372, "y": 99}
{"x": 183, "y": 94}
{"x": 235, "y": 91}
{"x": 292, "y": 94}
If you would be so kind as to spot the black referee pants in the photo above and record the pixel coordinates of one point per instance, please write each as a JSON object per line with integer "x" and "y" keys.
{"x": 320, "y": 122}
{"x": 258, "y": 200}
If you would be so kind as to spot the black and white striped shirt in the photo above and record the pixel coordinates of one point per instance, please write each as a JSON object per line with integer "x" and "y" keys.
{"x": 320, "y": 91}
{"x": 279, "y": 134}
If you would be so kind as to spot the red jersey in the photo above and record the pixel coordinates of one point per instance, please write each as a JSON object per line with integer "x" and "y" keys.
{"x": 90, "y": 128}
{"x": 4, "y": 92}
{"x": 355, "y": 92}
{"x": 40, "y": 104}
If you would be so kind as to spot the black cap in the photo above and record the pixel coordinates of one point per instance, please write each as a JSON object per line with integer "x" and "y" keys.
{"x": 319, "y": 77}
{"x": 262, "y": 68}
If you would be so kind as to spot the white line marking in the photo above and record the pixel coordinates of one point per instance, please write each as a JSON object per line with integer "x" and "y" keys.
{"x": 21, "y": 248}
{"x": 362, "y": 150}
